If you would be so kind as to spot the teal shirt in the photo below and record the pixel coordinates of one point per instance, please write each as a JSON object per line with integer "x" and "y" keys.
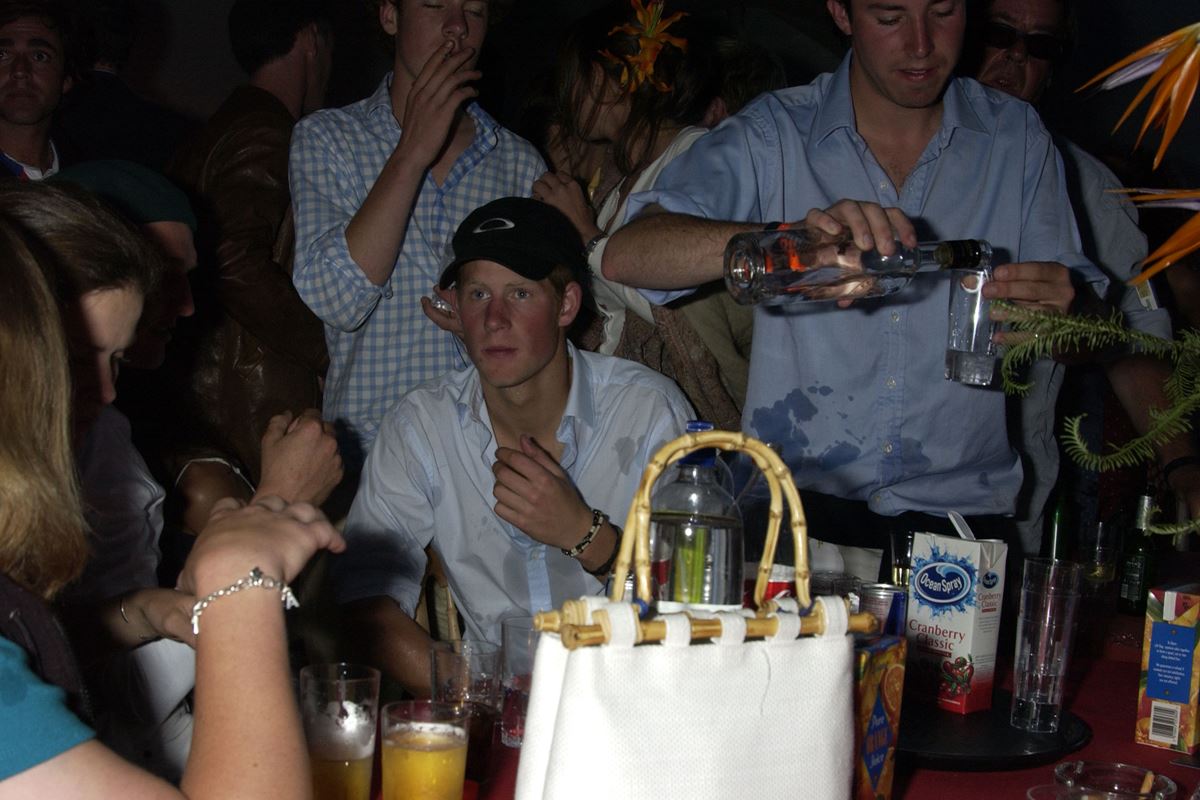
{"x": 35, "y": 724}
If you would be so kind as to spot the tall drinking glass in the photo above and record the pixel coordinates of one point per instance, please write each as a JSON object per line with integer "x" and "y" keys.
{"x": 339, "y": 704}
{"x": 468, "y": 674}
{"x": 424, "y": 750}
{"x": 520, "y": 644}
{"x": 970, "y": 352}
{"x": 1049, "y": 600}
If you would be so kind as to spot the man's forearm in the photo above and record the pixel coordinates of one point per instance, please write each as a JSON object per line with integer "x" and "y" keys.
{"x": 379, "y": 633}
{"x": 661, "y": 250}
{"x": 377, "y": 229}
{"x": 1139, "y": 381}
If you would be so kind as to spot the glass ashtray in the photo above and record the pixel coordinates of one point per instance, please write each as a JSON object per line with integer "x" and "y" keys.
{"x": 1113, "y": 781}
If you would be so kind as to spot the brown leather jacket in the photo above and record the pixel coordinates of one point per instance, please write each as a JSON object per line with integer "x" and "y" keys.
{"x": 258, "y": 350}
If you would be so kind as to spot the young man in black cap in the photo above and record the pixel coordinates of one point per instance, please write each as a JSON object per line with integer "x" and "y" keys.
{"x": 510, "y": 468}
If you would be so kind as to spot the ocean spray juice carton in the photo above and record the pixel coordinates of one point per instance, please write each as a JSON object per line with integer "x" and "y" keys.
{"x": 956, "y": 591}
{"x": 878, "y": 690}
{"x": 1169, "y": 689}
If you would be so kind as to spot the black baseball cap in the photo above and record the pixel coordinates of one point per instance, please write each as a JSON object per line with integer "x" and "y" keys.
{"x": 525, "y": 235}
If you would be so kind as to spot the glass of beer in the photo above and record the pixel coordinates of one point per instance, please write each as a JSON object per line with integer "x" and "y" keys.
{"x": 339, "y": 704}
{"x": 424, "y": 750}
{"x": 467, "y": 674}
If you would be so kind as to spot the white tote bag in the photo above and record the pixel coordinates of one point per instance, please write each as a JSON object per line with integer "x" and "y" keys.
{"x": 685, "y": 705}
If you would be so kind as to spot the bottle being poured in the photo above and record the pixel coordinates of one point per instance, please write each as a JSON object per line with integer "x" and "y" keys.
{"x": 787, "y": 264}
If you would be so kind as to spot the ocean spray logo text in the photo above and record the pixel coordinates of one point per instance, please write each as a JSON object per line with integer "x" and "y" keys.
{"x": 942, "y": 583}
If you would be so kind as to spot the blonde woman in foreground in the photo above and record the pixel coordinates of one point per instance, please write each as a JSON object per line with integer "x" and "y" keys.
{"x": 248, "y": 740}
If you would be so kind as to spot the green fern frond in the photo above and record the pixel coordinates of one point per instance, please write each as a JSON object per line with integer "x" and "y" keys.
{"x": 1056, "y": 333}
{"x": 1165, "y": 425}
{"x": 1174, "y": 529}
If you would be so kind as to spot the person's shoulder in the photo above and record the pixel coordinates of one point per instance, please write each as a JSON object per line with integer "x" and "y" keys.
{"x": 998, "y": 111}
{"x": 1091, "y": 170}
{"x": 327, "y": 121}
{"x": 795, "y": 107}
{"x": 612, "y": 376}
{"x": 426, "y": 406}
{"x": 342, "y": 122}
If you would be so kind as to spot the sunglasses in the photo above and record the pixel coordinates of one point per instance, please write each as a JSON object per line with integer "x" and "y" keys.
{"x": 1038, "y": 45}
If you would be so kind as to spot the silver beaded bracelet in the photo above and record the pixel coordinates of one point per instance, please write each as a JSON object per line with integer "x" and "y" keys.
{"x": 255, "y": 579}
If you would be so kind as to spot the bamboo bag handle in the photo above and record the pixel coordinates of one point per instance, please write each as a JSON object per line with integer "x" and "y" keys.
{"x": 635, "y": 542}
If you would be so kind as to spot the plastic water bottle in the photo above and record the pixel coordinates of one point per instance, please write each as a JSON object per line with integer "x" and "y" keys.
{"x": 696, "y": 535}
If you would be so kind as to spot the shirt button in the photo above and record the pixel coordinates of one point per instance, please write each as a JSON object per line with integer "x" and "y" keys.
{"x": 890, "y": 383}
{"x": 387, "y": 293}
{"x": 883, "y": 185}
{"x": 887, "y": 447}
{"x": 895, "y": 316}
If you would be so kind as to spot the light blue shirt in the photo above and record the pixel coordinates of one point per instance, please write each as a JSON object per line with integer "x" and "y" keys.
{"x": 856, "y": 397}
{"x": 428, "y": 479}
{"x": 380, "y": 343}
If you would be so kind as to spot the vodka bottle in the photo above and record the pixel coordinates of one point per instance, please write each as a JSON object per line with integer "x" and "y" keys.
{"x": 798, "y": 264}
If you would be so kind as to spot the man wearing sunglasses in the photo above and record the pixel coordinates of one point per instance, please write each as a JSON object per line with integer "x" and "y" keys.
{"x": 1022, "y": 40}
{"x": 1022, "y": 43}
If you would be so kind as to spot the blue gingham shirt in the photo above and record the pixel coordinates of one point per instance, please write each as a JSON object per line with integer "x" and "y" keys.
{"x": 429, "y": 479}
{"x": 380, "y": 343}
{"x": 856, "y": 397}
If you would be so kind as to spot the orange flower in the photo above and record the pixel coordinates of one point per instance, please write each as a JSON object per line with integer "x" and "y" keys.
{"x": 1183, "y": 242}
{"x": 651, "y": 31}
{"x": 1173, "y": 63}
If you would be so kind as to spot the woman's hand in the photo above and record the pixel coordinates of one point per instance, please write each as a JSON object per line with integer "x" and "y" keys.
{"x": 562, "y": 191}
{"x": 277, "y": 537}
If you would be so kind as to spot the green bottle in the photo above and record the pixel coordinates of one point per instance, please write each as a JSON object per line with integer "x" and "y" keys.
{"x": 1137, "y": 561}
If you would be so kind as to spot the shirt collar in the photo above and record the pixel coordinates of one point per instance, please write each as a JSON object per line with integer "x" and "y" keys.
{"x": 836, "y": 110}
{"x": 580, "y": 410}
{"x": 23, "y": 171}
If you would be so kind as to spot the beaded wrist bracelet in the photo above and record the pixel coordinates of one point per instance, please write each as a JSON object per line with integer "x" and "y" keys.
{"x": 255, "y": 579}
{"x": 598, "y": 520}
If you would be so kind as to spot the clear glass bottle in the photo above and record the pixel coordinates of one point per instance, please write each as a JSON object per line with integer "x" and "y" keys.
{"x": 1137, "y": 561}
{"x": 799, "y": 264}
{"x": 696, "y": 535}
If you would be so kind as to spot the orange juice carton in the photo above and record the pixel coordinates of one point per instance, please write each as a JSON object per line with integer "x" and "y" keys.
{"x": 878, "y": 685}
{"x": 1170, "y": 684}
{"x": 956, "y": 589}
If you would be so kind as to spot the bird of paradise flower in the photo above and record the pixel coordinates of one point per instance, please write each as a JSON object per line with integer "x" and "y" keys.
{"x": 650, "y": 28}
{"x": 1173, "y": 64}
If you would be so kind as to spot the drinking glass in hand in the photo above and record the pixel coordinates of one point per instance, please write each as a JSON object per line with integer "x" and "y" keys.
{"x": 424, "y": 750}
{"x": 339, "y": 704}
{"x": 520, "y": 643}
{"x": 467, "y": 674}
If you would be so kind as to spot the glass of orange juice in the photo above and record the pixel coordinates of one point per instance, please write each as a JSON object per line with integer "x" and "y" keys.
{"x": 424, "y": 750}
{"x": 339, "y": 704}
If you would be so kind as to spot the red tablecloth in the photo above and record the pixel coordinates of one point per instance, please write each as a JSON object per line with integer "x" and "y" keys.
{"x": 1106, "y": 699}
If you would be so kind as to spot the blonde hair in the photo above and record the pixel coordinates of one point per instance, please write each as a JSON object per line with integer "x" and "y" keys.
{"x": 43, "y": 544}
